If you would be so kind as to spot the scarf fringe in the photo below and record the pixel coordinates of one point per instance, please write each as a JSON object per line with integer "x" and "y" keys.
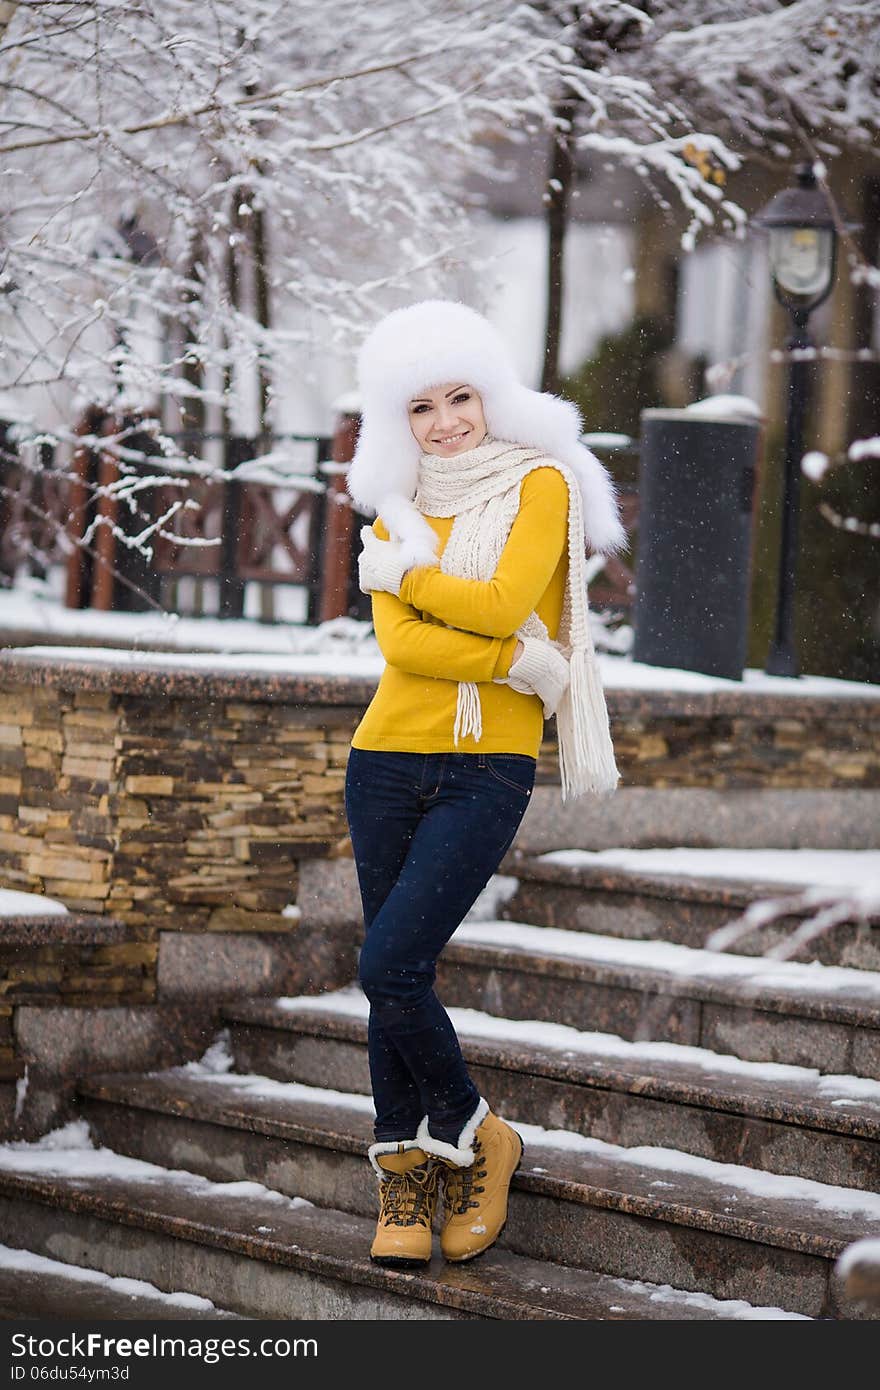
{"x": 468, "y": 713}
{"x": 586, "y": 752}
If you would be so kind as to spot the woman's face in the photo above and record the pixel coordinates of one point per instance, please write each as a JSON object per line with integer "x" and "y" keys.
{"x": 448, "y": 419}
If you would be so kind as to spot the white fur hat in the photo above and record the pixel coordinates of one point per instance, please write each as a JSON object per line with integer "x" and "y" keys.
{"x": 438, "y": 340}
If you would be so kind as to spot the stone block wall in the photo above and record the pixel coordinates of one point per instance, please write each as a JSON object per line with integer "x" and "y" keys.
{"x": 171, "y": 813}
{"x": 174, "y": 812}
{"x": 738, "y": 739}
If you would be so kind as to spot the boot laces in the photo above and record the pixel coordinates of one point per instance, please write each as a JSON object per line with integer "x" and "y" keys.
{"x": 406, "y": 1198}
{"x": 462, "y": 1184}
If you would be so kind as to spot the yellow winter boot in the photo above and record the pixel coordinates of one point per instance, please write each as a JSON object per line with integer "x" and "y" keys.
{"x": 407, "y": 1203}
{"x": 475, "y": 1192}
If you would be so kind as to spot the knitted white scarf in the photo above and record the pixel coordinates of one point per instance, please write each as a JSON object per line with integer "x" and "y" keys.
{"x": 480, "y": 488}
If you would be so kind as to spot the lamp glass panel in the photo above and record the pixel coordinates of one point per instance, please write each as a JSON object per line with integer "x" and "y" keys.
{"x": 801, "y": 259}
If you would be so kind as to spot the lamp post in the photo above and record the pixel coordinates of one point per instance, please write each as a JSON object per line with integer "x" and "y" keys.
{"x": 803, "y": 254}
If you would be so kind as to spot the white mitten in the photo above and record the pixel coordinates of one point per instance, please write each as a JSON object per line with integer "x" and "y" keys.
{"x": 540, "y": 669}
{"x": 380, "y": 565}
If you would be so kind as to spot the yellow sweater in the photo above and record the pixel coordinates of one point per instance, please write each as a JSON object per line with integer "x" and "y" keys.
{"x": 443, "y": 629}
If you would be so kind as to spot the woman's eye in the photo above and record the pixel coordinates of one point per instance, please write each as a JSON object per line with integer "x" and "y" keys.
{"x": 462, "y": 396}
{"x": 419, "y": 409}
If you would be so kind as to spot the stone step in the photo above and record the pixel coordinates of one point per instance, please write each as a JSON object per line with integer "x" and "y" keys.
{"x": 652, "y": 1214}
{"x": 33, "y": 1286}
{"x": 775, "y": 1011}
{"x": 269, "y": 1256}
{"x": 765, "y": 816}
{"x": 581, "y": 892}
{"x": 782, "y": 1119}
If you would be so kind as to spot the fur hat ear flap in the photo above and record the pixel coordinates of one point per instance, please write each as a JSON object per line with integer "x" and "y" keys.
{"x": 386, "y": 459}
{"x": 540, "y": 420}
{"x": 604, "y": 531}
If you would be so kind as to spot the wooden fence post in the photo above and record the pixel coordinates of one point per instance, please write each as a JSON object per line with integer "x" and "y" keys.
{"x": 231, "y": 585}
{"x": 103, "y": 578}
{"x": 78, "y": 578}
{"x": 338, "y": 521}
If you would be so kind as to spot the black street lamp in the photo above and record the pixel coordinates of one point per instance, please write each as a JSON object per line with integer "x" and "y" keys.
{"x": 803, "y": 255}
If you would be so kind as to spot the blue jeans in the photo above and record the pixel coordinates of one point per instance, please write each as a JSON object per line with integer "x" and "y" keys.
{"x": 428, "y": 831}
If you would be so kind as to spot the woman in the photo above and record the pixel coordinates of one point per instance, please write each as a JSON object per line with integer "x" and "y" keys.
{"x": 484, "y": 497}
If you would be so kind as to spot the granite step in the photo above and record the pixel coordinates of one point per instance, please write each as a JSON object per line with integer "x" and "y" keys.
{"x": 34, "y": 1286}
{"x": 579, "y": 891}
{"x": 707, "y": 817}
{"x": 649, "y": 1214}
{"x": 269, "y": 1256}
{"x": 760, "y": 1010}
{"x": 781, "y": 1119}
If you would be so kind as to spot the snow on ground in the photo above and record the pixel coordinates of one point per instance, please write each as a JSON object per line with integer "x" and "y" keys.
{"x": 343, "y": 646}
{"x": 561, "y": 1037}
{"x": 29, "y": 1263}
{"x": 497, "y": 892}
{"x": 216, "y": 1059}
{"x": 828, "y": 867}
{"x": 618, "y": 672}
{"x": 16, "y": 904}
{"x": 70, "y": 1151}
{"x": 329, "y": 663}
{"x": 684, "y": 961}
{"x": 63, "y": 1150}
{"x": 23, "y": 613}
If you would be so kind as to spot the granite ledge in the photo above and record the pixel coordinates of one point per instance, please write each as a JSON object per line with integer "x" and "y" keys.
{"x": 61, "y": 929}
{"x": 82, "y": 672}
{"x": 78, "y": 669}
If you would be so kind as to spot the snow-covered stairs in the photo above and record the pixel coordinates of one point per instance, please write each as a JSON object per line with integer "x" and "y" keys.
{"x": 765, "y": 1010}
{"x": 778, "y": 1118}
{"x": 650, "y": 1214}
{"x": 702, "y": 1138}
{"x": 248, "y": 1247}
{"x": 684, "y": 895}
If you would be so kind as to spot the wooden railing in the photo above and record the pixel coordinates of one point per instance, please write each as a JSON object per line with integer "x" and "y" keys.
{"x": 250, "y": 525}
{"x": 262, "y": 525}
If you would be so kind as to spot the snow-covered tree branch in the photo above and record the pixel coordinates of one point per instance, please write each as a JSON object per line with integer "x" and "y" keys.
{"x": 820, "y": 909}
{"x": 199, "y": 191}
{"x": 200, "y": 196}
{"x": 164, "y": 159}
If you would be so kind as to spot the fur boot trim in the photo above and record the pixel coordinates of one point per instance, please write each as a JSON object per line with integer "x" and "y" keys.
{"x": 439, "y": 340}
{"x": 462, "y": 1153}
{"x": 388, "y": 1146}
